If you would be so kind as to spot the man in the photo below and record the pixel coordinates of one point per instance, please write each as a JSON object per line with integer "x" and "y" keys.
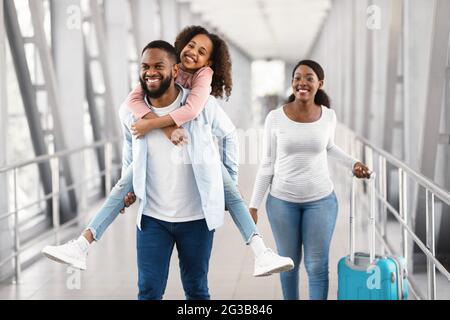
{"x": 180, "y": 189}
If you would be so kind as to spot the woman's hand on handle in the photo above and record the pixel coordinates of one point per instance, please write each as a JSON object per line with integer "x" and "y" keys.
{"x": 254, "y": 214}
{"x": 361, "y": 171}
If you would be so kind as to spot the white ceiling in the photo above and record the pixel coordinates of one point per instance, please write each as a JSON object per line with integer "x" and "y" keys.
{"x": 266, "y": 29}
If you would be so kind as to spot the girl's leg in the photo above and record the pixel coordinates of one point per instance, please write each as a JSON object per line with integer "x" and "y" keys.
{"x": 112, "y": 206}
{"x": 74, "y": 252}
{"x": 286, "y": 220}
{"x": 267, "y": 262}
{"x": 319, "y": 220}
{"x": 237, "y": 208}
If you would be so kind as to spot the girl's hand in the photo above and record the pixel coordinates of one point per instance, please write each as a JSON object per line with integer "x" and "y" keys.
{"x": 254, "y": 214}
{"x": 141, "y": 127}
{"x": 361, "y": 171}
{"x": 179, "y": 137}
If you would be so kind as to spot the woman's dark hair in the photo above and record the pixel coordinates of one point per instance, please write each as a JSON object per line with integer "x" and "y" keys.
{"x": 220, "y": 57}
{"x": 321, "y": 98}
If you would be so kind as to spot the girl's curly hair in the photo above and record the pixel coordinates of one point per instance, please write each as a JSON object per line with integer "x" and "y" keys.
{"x": 220, "y": 57}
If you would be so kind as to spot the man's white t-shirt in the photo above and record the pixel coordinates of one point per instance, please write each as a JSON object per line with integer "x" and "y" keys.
{"x": 172, "y": 193}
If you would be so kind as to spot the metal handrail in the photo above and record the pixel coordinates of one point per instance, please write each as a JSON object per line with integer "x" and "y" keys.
{"x": 413, "y": 286}
{"x": 416, "y": 239}
{"x": 54, "y": 195}
{"x": 442, "y": 194}
{"x": 432, "y": 190}
{"x": 39, "y": 238}
{"x": 58, "y": 154}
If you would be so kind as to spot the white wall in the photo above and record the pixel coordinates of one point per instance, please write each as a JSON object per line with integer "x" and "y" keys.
{"x": 239, "y": 106}
{"x": 68, "y": 59}
{"x": 333, "y": 52}
{"x": 117, "y": 31}
{"x": 149, "y": 22}
{"x": 5, "y": 232}
{"x": 419, "y": 25}
{"x": 169, "y": 19}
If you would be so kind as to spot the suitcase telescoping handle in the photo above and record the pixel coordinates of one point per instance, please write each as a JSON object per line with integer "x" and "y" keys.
{"x": 371, "y": 182}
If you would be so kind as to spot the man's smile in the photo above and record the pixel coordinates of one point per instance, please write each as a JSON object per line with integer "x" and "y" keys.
{"x": 152, "y": 81}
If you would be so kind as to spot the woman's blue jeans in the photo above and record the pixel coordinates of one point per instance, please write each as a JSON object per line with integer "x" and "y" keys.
{"x": 311, "y": 225}
{"x": 114, "y": 203}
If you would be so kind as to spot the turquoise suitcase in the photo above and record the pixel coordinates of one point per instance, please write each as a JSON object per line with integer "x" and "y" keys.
{"x": 383, "y": 279}
{"x": 366, "y": 276}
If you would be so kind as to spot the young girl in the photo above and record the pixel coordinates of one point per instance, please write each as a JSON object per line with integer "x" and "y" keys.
{"x": 205, "y": 67}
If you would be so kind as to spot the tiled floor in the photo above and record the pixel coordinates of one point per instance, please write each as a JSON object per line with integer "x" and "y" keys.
{"x": 112, "y": 270}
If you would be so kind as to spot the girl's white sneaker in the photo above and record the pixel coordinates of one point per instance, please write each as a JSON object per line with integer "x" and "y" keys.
{"x": 69, "y": 253}
{"x": 269, "y": 262}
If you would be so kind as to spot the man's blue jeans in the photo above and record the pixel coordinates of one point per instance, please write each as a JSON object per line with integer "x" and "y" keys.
{"x": 310, "y": 224}
{"x": 155, "y": 244}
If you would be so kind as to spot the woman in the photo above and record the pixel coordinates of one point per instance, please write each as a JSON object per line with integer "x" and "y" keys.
{"x": 302, "y": 205}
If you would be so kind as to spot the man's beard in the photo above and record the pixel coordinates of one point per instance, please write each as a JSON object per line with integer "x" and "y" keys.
{"x": 155, "y": 94}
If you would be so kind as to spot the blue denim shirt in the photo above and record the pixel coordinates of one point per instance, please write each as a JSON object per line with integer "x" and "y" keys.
{"x": 202, "y": 148}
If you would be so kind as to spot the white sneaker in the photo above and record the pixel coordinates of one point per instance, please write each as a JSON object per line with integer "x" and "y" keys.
{"x": 69, "y": 253}
{"x": 269, "y": 262}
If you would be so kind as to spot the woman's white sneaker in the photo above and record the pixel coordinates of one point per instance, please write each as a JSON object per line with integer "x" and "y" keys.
{"x": 69, "y": 253}
{"x": 269, "y": 262}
